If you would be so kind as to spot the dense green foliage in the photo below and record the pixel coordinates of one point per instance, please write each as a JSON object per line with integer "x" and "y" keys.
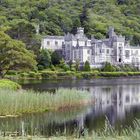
{"x": 14, "y": 55}
{"x": 108, "y": 67}
{"x": 47, "y": 58}
{"x": 7, "y": 84}
{"x": 44, "y": 59}
{"x": 87, "y": 66}
{"x": 21, "y": 18}
{"x": 122, "y": 67}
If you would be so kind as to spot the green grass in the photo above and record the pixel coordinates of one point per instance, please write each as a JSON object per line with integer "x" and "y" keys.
{"x": 71, "y": 75}
{"x": 21, "y": 101}
{"x": 8, "y": 84}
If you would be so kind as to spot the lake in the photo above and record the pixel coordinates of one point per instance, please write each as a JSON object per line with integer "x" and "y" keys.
{"x": 117, "y": 103}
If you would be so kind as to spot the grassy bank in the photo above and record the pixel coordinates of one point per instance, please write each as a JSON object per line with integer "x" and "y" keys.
{"x": 19, "y": 102}
{"x": 70, "y": 75}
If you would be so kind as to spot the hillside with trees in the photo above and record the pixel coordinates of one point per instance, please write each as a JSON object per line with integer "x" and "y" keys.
{"x": 28, "y": 20}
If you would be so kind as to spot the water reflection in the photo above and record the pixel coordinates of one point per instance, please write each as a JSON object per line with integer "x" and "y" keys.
{"x": 119, "y": 103}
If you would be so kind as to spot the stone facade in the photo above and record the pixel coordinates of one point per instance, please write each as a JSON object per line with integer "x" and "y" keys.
{"x": 52, "y": 42}
{"x": 113, "y": 49}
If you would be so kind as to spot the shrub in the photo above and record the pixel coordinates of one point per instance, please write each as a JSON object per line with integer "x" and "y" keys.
{"x": 48, "y": 74}
{"x": 66, "y": 67}
{"x": 73, "y": 69}
{"x": 108, "y": 67}
{"x": 134, "y": 73}
{"x": 33, "y": 74}
{"x": 68, "y": 73}
{"x": 24, "y": 74}
{"x": 12, "y": 72}
{"x": 87, "y": 66}
{"x": 52, "y": 68}
{"x": 87, "y": 75}
{"x": 113, "y": 74}
{"x": 8, "y": 84}
{"x": 40, "y": 67}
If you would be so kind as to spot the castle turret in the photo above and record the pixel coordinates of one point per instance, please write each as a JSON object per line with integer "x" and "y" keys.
{"x": 80, "y": 30}
{"x": 111, "y": 32}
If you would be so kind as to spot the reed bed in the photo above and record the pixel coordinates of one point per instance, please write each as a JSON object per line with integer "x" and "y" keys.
{"x": 107, "y": 133}
{"x": 22, "y": 101}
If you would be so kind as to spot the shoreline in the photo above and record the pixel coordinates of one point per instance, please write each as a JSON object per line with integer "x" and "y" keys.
{"x": 50, "y": 75}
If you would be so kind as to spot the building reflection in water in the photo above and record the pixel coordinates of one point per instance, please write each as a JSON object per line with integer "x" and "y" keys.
{"x": 113, "y": 101}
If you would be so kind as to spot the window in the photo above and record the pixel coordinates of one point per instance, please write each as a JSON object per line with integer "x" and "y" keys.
{"x": 120, "y": 50}
{"x": 88, "y": 51}
{"x": 102, "y": 50}
{"x": 120, "y": 44}
{"x": 136, "y": 52}
{"x": 137, "y": 60}
{"x": 127, "y": 99}
{"x": 48, "y": 43}
{"x": 75, "y": 55}
{"x": 56, "y": 43}
{"x": 127, "y": 53}
{"x": 88, "y": 59}
{"x": 107, "y": 51}
{"x": 112, "y": 51}
{"x": 85, "y": 43}
{"x": 79, "y": 54}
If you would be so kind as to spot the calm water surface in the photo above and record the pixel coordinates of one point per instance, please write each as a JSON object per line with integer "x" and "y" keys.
{"x": 116, "y": 100}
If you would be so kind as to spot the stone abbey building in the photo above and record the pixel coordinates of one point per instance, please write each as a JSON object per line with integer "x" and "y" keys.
{"x": 114, "y": 49}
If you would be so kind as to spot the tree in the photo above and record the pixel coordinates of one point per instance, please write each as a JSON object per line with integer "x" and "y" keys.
{"x": 22, "y": 30}
{"x": 44, "y": 58}
{"x": 77, "y": 64}
{"x": 76, "y": 23}
{"x": 63, "y": 65}
{"x": 70, "y": 64}
{"x": 56, "y": 58}
{"x": 26, "y": 32}
{"x": 86, "y": 66}
{"x": 14, "y": 55}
